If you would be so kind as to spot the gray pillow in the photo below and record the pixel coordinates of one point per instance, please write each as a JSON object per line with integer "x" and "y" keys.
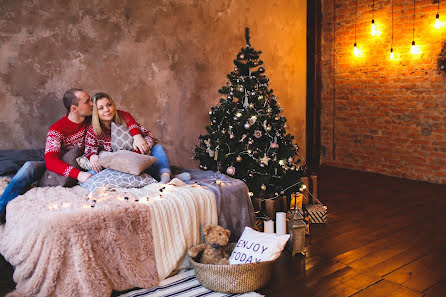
{"x": 121, "y": 138}
{"x": 114, "y": 179}
{"x": 52, "y": 179}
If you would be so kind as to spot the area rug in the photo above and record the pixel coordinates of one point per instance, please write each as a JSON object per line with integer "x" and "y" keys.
{"x": 181, "y": 285}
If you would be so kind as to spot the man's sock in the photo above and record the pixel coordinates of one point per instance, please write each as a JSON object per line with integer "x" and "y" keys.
{"x": 3, "y": 215}
{"x": 165, "y": 178}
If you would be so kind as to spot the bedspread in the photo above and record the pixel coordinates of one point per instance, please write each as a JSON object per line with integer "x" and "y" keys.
{"x": 65, "y": 242}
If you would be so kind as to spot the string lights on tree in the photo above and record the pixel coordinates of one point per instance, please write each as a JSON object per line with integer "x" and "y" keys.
{"x": 247, "y": 137}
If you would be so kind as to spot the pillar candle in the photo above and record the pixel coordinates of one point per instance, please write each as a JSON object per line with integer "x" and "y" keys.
{"x": 268, "y": 226}
{"x": 280, "y": 223}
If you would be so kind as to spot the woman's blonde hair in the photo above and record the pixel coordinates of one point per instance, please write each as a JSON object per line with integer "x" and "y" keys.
{"x": 95, "y": 121}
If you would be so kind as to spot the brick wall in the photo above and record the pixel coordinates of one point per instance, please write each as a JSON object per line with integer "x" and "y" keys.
{"x": 382, "y": 115}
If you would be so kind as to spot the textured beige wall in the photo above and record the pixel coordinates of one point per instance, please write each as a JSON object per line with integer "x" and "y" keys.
{"x": 163, "y": 61}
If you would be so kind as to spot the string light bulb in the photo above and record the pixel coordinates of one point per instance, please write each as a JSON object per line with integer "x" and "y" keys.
{"x": 437, "y": 23}
{"x": 392, "y": 55}
{"x": 355, "y": 47}
{"x": 373, "y": 31}
{"x": 413, "y": 48}
{"x": 356, "y": 50}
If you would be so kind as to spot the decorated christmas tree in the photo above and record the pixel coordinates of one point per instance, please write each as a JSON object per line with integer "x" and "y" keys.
{"x": 247, "y": 137}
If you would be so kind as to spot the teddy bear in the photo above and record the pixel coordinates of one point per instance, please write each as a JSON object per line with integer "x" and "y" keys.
{"x": 213, "y": 251}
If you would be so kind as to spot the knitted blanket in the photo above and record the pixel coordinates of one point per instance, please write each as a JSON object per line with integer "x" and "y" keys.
{"x": 234, "y": 206}
{"x": 64, "y": 242}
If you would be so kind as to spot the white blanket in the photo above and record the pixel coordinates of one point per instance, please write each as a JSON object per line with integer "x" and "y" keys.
{"x": 66, "y": 243}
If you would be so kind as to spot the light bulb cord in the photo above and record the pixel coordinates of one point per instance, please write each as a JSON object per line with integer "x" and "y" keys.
{"x": 413, "y": 22}
{"x": 356, "y": 18}
{"x": 391, "y": 44}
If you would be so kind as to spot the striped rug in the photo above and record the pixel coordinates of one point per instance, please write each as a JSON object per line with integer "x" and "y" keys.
{"x": 181, "y": 285}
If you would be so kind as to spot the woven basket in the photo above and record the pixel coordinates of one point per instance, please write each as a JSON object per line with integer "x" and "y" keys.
{"x": 238, "y": 278}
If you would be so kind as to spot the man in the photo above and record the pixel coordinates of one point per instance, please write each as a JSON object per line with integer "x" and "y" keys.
{"x": 62, "y": 136}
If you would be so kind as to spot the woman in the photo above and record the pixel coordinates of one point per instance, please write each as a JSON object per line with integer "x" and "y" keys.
{"x": 99, "y": 137}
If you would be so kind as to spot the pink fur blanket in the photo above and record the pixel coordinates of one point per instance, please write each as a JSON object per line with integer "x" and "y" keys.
{"x": 66, "y": 242}
{"x": 61, "y": 246}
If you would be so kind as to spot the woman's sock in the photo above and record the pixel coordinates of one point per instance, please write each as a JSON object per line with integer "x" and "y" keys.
{"x": 184, "y": 176}
{"x": 165, "y": 178}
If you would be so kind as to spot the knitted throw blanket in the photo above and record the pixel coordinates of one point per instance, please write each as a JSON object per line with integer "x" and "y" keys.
{"x": 64, "y": 242}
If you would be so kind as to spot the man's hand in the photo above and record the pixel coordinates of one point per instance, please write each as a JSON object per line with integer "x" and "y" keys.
{"x": 83, "y": 176}
{"x": 94, "y": 162}
{"x": 140, "y": 144}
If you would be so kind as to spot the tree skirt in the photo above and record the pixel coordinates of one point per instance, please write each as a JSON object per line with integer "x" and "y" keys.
{"x": 181, "y": 285}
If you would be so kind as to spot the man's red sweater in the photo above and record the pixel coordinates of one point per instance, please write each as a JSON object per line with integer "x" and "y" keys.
{"x": 62, "y": 136}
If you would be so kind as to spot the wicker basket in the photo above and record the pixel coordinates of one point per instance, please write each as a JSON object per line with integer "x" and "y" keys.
{"x": 238, "y": 278}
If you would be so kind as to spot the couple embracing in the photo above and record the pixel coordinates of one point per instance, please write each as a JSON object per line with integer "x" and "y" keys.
{"x": 87, "y": 125}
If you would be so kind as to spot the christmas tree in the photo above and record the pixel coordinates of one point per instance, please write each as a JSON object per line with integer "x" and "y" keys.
{"x": 247, "y": 136}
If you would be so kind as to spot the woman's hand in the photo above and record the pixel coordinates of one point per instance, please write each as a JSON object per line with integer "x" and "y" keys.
{"x": 140, "y": 144}
{"x": 94, "y": 162}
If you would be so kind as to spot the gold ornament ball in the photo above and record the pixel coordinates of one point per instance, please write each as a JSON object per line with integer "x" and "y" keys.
{"x": 251, "y": 105}
{"x": 238, "y": 159}
{"x": 263, "y": 187}
{"x": 231, "y": 136}
{"x": 268, "y": 128}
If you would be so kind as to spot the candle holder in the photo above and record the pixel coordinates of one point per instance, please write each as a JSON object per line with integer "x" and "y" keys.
{"x": 296, "y": 228}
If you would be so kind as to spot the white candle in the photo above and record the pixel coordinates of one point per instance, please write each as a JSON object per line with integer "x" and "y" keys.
{"x": 280, "y": 223}
{"x": 268, "y": 226}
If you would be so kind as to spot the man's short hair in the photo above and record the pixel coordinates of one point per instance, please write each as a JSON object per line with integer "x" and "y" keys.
{"x": 70, "y": 98}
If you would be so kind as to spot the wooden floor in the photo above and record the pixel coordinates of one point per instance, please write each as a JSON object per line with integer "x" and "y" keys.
{"x": 385, "y": 236}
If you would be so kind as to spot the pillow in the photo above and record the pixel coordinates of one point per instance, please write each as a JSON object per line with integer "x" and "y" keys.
{"x": 84, "y": 163}
{"x": 115, "y": 179}
{"x": 254, "y": 247}
{"x": 121, "y": 139}
{"x": 127, "y": 161}
{"x": 52, "y": 179}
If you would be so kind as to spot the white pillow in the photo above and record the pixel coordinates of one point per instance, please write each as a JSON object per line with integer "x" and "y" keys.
{"x": 254, "y": 247}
